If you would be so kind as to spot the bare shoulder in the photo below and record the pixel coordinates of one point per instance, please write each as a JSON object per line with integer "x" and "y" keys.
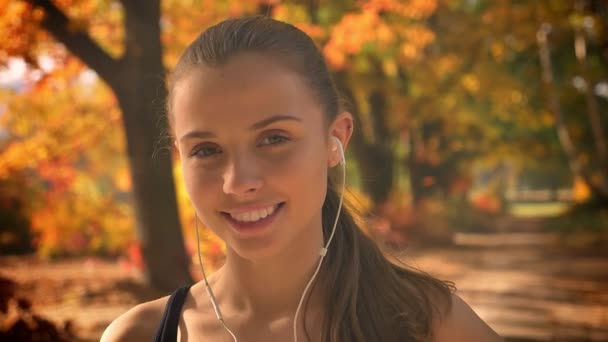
{"x": 138, "y": 324}
{"x": 461, "y": 323}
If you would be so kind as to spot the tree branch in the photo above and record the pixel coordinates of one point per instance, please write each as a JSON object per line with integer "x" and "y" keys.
{"x": 78, "y": 43}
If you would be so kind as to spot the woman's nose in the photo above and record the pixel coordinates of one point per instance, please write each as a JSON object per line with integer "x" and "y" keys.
{"x": 242, "y": 177}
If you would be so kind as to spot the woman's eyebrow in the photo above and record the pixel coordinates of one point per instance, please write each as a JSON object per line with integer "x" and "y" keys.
{"x": 258, "y": 125}
{"x": 197, "y": 134}
{"x": 273, "y": 119}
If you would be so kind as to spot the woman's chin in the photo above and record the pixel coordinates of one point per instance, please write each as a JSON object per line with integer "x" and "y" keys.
{"x": 255, "y": 252}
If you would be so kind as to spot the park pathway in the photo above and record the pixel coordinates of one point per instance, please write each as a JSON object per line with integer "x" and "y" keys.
{"x": 527, "y": 284}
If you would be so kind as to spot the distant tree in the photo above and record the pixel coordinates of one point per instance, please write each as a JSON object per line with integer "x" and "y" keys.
{"x": 134, "y": 72}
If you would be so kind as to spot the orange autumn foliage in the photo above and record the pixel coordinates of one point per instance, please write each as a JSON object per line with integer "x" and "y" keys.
{"x": 65, "y": 126}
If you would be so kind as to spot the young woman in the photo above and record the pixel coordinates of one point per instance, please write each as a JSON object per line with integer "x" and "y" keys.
{"x": 258, "y": 126}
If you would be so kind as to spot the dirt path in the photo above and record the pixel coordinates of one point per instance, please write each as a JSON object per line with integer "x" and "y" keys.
{"x": 88, "y": 292}
{"x": 527, "y": 286}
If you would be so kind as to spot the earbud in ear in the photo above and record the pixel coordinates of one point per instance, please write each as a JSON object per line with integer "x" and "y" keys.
{"x": 338, "y": 147}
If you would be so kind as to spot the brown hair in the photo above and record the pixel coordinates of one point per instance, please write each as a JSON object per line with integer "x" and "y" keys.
{"x": 367, "y": 297}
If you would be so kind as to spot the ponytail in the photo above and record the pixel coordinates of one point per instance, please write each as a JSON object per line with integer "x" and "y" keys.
{"x": 367, "y": 297}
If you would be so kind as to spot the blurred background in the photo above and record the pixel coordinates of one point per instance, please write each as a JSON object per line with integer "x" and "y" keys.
{"x": 480, "y": 154}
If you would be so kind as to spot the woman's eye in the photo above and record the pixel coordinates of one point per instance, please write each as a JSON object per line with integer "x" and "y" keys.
{"x": 205, "y": 151}
{"x": 274, "y": 139}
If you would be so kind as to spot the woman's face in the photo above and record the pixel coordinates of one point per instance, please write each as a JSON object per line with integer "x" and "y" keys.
{"x": 253, "y": 146}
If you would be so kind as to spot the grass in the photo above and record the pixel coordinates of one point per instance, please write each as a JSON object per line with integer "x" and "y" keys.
{"x": 545, "y": 209}
{"x": 563, "y": 217}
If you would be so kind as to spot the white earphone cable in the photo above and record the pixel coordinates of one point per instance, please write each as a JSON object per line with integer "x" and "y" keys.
{"x": 216, "y": 307}
{"x": 323, "y": 252}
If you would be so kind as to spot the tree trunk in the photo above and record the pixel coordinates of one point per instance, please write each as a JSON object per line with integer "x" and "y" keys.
{"x": 142, "y": 97}
{"x": 416, "y": 172}
{"x": 600, "y": 9}
{"x": 593, "y": 111}
{"x": 376, "y": 169}
{"x": 599, "y": 189}
{"x": 423, "y": 175}
{"x": 374, "y": 158}
{"x": 137, "y": 80}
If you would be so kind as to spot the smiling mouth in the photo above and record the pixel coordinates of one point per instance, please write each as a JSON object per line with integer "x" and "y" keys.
{"x": 254, "y": 215}
{"x": 254, "y": 219}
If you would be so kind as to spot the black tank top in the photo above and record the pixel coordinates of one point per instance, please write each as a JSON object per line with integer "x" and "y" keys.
{"x": 167, "y": 330}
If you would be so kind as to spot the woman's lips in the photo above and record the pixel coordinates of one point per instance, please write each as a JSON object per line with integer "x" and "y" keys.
{"x": 247, "y": 228}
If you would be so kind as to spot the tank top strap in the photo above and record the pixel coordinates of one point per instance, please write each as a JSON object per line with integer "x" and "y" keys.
{"x": 167, "y": 330}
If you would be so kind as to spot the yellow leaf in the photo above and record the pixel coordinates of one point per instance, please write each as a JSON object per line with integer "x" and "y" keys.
{"x": 580, "y": 190}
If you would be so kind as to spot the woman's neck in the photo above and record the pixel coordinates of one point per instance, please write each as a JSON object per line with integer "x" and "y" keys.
{"x": 271, "y": 287}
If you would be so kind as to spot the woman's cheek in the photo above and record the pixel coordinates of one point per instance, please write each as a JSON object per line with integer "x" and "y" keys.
{"x": 200, "y": 187}
{"x": 300, "y": 165}
{"x": 285, "y": 164}
{"x": 197, "y": 182}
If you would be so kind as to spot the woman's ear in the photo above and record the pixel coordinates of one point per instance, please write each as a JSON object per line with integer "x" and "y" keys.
{"x": 342, "y": 129}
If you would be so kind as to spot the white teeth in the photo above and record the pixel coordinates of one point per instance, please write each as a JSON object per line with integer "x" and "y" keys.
{"x": 255, "y": 215}
{"x": 263, "y": 213}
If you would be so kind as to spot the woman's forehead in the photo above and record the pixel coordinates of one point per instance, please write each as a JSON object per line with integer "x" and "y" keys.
{"x": 245, "y": 89}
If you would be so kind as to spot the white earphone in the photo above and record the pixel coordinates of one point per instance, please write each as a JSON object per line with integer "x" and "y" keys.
{"x": 337, "y": 147}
